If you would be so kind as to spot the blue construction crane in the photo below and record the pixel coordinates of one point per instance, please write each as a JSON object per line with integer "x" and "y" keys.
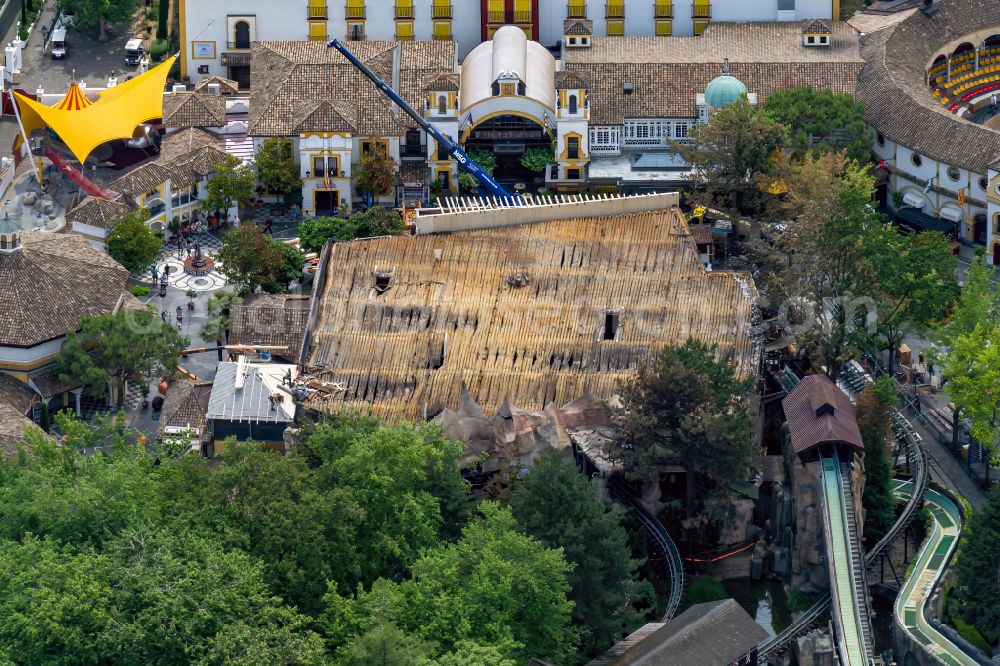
{"x": 454, "y": 150}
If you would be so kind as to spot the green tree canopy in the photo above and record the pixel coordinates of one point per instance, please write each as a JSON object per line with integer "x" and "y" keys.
{"x": 111, "y": 348}
{"x": 978, "y": 570}
{"x": 376, "y": 221}
{"x": 821, "y": 121}
{"x": 276, "y": 168}
{"x": 685, "y": 409}
{"x": 290, "y": 269}
{"x": 495, "y": 586}
{"x": 89, "y": 13}
{"x": 557, "y": 505}
{"x": 873, "y": 411}
{"x": 250, "y": 259}
{"x": 728, "y": 156}
{"x": 232, "y": 184}
{"x": 377, "y": 172}
{"x": 132, "y": 244}
{"x": 537, "y": 159}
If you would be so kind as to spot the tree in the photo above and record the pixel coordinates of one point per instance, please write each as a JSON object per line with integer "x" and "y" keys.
{"x": 811, "y": 266}
{"x": 537, "y": 159}
{"x": 376, "y": 221}
{"x": 112, "y": 348}
{"x": 977, "y": 304}
{"x": 290, "y": 269}
{"x": 485, "y": 159}
{"x": 912, "y": 283}
{"x": 407, "y": 481}
{"x": 972, "y": 366}
{"x": 233, "y": 184}
{"x": 377, "y": 173}
{"x": 89, "y": 13}
{"x": 217, "y": 323}
{"x": 275, "y": 167}
{"x": 132, "y": 244}
{"x": 557, "y": 505}
{"x": 821, "y": 121}
{"x": 686, "y": 409}
{"x": 494, "y": 586}
{"x": 162, "y": 19}
{"x": 728, "y": 154}
{"x": 978, "y": 570}
{"x": 249, "y": 258}
{"x": 873, "y": 411}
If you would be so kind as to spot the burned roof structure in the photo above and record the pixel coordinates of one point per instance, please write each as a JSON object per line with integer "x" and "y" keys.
{"x": 527, "y": 316}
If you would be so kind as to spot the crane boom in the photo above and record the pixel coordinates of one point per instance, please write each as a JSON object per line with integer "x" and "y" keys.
{"x": 453, "y": 149}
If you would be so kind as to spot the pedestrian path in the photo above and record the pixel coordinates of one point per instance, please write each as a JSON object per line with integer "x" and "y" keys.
{"x": 173, "y": 258}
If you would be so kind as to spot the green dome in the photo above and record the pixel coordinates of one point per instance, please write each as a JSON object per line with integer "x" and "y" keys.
{"x": 723, "y": 90}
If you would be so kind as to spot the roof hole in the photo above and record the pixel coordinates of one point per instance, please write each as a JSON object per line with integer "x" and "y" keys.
{"x": 382, "y": 281}
{"x": 610, "y": 325}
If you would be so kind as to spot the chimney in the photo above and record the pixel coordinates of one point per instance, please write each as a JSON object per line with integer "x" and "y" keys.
{"x": 214, "y": 89}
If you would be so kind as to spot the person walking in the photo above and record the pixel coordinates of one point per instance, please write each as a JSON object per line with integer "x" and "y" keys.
{"x": 268, "y": 226}
{"x": 155, "y": 273}
{"x": 163, "y": 316}
{"x": 993, "y": 102}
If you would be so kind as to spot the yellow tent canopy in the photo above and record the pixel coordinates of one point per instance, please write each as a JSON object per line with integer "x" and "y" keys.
{"x": 84, "y": 125}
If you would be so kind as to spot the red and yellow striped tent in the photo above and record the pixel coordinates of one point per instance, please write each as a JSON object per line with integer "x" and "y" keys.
{"x": 74, "y": 99}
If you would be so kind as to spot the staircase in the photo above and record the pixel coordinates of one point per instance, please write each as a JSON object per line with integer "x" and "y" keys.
{"x": 857, "y": 562}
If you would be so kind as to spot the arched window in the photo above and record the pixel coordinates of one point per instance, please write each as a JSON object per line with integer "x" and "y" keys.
{"x": 572, "y": 103}
{"x": 241, "y": 35}
{"x": 3, "y": 242}
{"x": 442, "y": 104}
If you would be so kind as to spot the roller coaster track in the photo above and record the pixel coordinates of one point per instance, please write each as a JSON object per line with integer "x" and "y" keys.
{"x": 672, "y": 557}
{"x": 811, "y": 617}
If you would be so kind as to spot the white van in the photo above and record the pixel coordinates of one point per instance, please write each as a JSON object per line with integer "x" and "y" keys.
{"x": 133, "y": 52}
{"x": 59, "y": 43}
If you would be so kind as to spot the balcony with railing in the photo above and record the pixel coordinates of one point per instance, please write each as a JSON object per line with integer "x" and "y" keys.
{"x": 701, "y": 10}
{"x": 316, "y": 9}
{"x": 356, "y": 32}
{"x": 496, "y": 16}
{"x": 576, "y": 10}
{"x": 404, "y": 10}
{"x": 413, "y": 151}
{"x": 442, "y": 11}
{"x": 522, "y": 16}
{"x": 354, "y": 12}
{"x": 614, "y": 10}
{"x": 664, "y": 10}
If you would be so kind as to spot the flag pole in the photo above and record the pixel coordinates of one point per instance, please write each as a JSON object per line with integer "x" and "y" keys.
{"x": 24, "y": 137}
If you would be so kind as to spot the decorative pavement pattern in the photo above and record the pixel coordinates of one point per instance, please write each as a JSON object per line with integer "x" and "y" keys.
{"x": 174, "y": 258}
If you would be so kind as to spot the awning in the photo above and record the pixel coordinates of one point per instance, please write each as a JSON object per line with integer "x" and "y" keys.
{"x": 917, "y": 221}
{"x": 236, "y": 58}
{"x": 914, "y": 200}
{"x": 952, "y": 214}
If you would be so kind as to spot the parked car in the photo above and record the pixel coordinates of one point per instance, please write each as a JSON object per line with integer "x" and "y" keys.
{"x": 59, "y": 43}
{"x": 133, "y": 52}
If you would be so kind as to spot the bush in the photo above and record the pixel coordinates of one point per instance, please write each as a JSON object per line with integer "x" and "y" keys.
{"x": 705, "y": 589}
{"x": 799, "y": 601}
{"x": 536, "y": 159}
{"x": 139, "y": 291}
{"x": 158, "y": 49}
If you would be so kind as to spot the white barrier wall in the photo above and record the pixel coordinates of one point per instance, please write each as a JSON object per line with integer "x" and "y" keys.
{"x": 469, "y": 214}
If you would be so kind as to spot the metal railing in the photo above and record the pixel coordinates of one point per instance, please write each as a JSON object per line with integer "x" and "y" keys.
{"x": 663, "y": 10}
{"x": 576, "y": 11}
{"x": 442, "y": 11}
{"x": 701, "y": 10}
{"x": 404, "y": 11}
{"x": 354, "y": 12}
{"x": 496, "y": 16}
{"x": 523, "y": 16}
{"x": 614, "y": 10}
{"x": 317, "y": 10}
{"x": 235, "y": 46}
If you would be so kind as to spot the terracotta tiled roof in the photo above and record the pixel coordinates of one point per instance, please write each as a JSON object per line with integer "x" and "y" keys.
{"x": 298, "y": 86}
{"x": 51, "y": 283}
{"x": 701, "y": 233}
{"x": 188, "y": 109}
{"x": 97, "y": 212}
{"x": 818, "y": 412}
{"x": 442, "y": 82}
{"x": 185, "y": 404}
{"x": 570, "y": 80}
{"x": 816, "y": 27}
{"x": 279, "y": 320}
{"x": 898, "y": 103}
{"x": 12, "y": 427}
{"x": 578, "y": 27}
{"x": 668, "y": 72}
{"x": 16, "y": 394}
{"x": 47, "y": 381}
{"x": 226, "y": 86}
{"x": 176, "y": 145}
{"x": 140, "y": 180}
